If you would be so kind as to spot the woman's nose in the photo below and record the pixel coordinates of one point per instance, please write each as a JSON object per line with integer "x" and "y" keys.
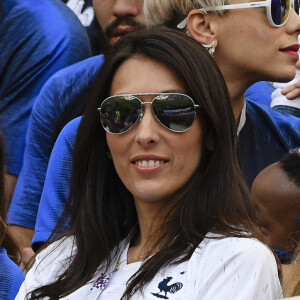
{"x": 148, "y": 129}
{"x": 294, "y": 22}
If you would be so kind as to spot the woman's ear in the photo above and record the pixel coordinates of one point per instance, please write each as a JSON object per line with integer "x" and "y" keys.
{"x": 202, "y": 27}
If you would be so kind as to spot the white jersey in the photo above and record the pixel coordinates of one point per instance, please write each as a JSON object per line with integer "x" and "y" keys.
{"x": 228, "y": 268}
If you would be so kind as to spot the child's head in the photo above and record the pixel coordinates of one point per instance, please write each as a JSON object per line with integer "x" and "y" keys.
{"x": 276, "y": 193}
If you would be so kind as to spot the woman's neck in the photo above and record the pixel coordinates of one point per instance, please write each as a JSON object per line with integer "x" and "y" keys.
{"x": 142, "y": 245}
{"x": 147, "y": 240}
{"x": 237, "y": 98}
{"x": 237, "y": 81}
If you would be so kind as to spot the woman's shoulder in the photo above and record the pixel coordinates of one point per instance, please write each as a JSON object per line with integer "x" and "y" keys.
{"x": 241, "y": 252}
{"x": 249, "y": 247}
{"x": 244, "y": 265}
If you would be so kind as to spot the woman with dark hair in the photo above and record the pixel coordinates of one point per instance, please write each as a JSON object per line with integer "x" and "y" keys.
{"x": 11, "y": 276}
{"x": 158, "y": 205}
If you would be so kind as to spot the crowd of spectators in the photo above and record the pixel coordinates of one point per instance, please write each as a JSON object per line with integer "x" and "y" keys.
{"x": 119, "y": 205}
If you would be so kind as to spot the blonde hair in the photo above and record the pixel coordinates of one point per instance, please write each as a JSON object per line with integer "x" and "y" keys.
{"x": 291, "y": 286}
{"x": 166, "y": 12}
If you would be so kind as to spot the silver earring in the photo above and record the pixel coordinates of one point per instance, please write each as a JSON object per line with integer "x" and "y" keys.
{"x": 210, "y": 48}
{"x": 188, "y": 33}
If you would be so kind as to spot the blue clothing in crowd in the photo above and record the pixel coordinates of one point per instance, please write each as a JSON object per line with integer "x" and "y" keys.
{"x": 260, "y": 92}
{"x": 85, "y": 12}
{"x": 57, "y": 183}
{"x": 38, "y": 38}
{"x": 264, "y": 138}
{"x": 62, "y": 98}
{"x": 11, "y": 277}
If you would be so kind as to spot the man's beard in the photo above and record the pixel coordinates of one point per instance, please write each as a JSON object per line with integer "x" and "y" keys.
{"x": 127, "y": 20}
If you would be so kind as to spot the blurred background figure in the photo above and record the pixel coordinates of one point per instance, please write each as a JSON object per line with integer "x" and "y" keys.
{"x": 11, "y": 276}
{"x": 38, "y": 38}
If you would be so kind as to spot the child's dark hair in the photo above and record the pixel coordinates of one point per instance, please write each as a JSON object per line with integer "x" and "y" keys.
{"x": 290, "y": 163}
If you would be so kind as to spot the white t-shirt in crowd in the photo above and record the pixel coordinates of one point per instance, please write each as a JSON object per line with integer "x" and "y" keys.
{"x": 227, "y": 268}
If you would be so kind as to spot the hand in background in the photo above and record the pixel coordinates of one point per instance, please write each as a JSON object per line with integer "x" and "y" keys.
{"x": 292, "y": 91}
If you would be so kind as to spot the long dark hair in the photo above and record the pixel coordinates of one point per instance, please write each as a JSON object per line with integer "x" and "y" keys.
{"x": 6, "y": 238}
{"x": 102, "y": 210}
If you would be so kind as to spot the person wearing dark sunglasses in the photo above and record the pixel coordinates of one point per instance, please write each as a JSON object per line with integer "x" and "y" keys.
{"x": 155, "y": 180}
{"x": 251, "y": 42}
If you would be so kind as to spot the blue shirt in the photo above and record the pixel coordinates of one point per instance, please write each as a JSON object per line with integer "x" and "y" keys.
{"x": 11, "y": 277}
{"x": 265, "y": 137}
{"x": 62, "y": 98}
{"x": 260, "y": 92}
{"x": 38, "y": 38}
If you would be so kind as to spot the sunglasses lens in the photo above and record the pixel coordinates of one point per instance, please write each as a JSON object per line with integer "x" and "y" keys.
{"x": 174, "y": 111}
{"x": 118, "y": 114}
{"x": 280, "y": 10}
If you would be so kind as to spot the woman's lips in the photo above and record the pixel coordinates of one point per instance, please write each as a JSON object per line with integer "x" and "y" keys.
{"x": 292, "y": 51}
{"x": 148, "y": 165}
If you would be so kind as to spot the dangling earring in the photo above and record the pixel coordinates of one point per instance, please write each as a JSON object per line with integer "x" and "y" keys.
{"x": 210, "y": 48}
{"x": 188, "y": 33}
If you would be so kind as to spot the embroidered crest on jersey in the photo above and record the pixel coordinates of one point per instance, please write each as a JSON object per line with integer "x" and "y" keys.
{"x": 165, "y": 287}
{"x": 101, "y": 282}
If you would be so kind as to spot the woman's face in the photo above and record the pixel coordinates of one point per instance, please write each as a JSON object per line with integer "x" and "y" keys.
{"x": 152, "y": 161}
{"x": 249, "y": 48}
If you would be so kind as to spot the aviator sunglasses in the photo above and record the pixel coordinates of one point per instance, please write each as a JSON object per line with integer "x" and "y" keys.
{"x": 174, "y": 111}
{"x": 278, "y": 11}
